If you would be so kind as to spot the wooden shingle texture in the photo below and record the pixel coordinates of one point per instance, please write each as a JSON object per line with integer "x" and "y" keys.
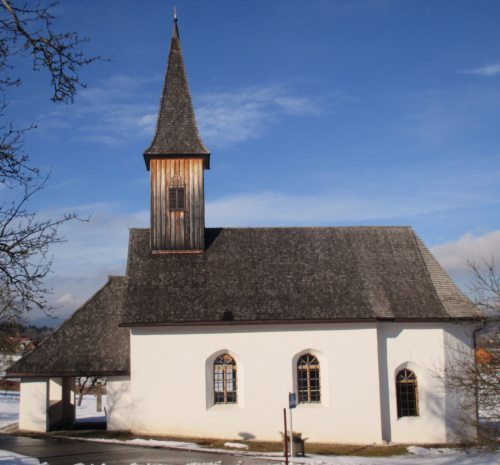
{"x": 253, "y": 276}
{"x": 89, "y": 343}
{"x": 259, "y": 275}
{"x": 176, "y": 131}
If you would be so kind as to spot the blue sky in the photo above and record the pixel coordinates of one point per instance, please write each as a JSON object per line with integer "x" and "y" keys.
{"x": 324, "y": 112}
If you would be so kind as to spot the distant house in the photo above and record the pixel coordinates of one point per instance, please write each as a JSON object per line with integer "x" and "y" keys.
{"x": 25, "y": 344}
{"x": 483, "y": 356}
{"x": 211, "y": 328}
{"x": 13, "y": 348}
{"x": 6, "y": 361}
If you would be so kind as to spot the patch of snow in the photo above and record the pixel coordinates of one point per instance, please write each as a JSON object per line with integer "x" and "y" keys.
{"x": 87, "y": 412}
{"x": 471, "y": 457}
{"x": 205, "y": 463}
{"x": 11, "y": 458}
{"x": 9, "y": 408}
{"x": 172, "y": 445}
{"x": 421, "y": 455}
{"x": 236, "y": 445}
{"x": 432, "y": 452}
{"x": 160, "y": 443}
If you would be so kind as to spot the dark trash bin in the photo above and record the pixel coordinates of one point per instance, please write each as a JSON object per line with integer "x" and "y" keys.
{"x": 298, "y": 445}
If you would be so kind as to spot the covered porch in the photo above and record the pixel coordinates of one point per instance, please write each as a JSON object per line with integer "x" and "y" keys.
{"x": 89, "y": 344}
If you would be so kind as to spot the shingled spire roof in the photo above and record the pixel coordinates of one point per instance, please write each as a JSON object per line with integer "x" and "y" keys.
{"x": 176, "y": 130}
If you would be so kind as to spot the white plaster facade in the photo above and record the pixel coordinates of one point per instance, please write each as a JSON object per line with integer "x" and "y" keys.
{"x": 46, "y": 403}
{"x": 119, "y": 406}
{"x": 34, "y": 399}
{"x": 171, "y": 383}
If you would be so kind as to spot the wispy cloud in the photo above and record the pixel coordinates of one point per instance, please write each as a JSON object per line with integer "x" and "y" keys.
{"x": 454, "y": 256}
{"x": 117, "y": 110}
{"x": 269, "y": 208}
{"x": 487, "y": 71}
{"x": 113, "y": 112}
{"x": 228, "y": 117}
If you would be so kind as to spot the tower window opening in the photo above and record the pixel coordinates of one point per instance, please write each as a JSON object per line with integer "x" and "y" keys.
{"x": 176, "y": 194}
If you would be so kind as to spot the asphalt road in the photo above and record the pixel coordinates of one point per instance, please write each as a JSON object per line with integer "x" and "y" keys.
{"x": 70, "y": 452}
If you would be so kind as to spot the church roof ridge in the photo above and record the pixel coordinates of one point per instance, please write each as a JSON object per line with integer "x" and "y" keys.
{"x": 176, "y": 129}
{"x": 292, "y": 274}
{"x": 301, "y": 228}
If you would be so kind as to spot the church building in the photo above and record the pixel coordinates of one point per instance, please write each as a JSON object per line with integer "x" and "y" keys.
{"x": 211, "y": 328}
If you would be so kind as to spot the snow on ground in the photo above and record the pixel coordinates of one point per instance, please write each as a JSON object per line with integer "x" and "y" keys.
{"x": 87, "y": 411}
{"x": 9, "y": 409}
{"x": 10, "y": 458}
{"x": 236, "y": 445}
{"x": 424, "y": 457}
{"x": 416, "y": 456}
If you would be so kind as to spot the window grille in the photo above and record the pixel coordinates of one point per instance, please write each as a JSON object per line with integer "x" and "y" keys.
{"x": 176, "y": 194}
{"x": 407, "y": 393}
{"x": 308, "y": 379}
{"x": 225, "y": 380}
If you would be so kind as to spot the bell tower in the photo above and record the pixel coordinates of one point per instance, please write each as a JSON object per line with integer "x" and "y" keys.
{"x": 177, "y": 159}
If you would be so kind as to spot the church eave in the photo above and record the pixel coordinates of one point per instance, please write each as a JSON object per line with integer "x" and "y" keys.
{"x": 149, "y": 155}
{"x": 63, "y": 374}
{"x": 304, "y": 322}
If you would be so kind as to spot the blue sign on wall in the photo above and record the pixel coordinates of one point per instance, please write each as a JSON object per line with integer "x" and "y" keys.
{"x": 292, "y": 400}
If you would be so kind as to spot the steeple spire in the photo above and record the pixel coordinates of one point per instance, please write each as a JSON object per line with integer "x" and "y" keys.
{"x": 176, "y": 160}
{"x": 177, "y": 134}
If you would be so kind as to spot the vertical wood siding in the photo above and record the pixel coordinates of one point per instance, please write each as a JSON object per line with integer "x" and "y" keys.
{"x": 177, "y": 230}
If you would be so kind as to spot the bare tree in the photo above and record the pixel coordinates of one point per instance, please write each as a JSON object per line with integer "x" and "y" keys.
{"x": 90, "y": 385}
{"x": 27, "y": 31}
{"x": 485, "y": 286}
{"x": 476, "y": 380}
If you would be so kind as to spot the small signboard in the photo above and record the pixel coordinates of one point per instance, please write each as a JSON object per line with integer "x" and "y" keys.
{"x": 292, "y": 400}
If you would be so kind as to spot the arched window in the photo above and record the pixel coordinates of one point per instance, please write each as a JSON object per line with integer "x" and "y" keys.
{"x": 308, "y": 379}
{"x": 407, "y": 393}
{"x": 224, "y": 380}
{"x": 176, "y": 194}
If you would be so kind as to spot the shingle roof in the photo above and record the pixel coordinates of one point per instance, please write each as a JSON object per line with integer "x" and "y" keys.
{"x": 291, "y": 274}
{"x": 176, "y": 130}
{"x": 253, "y": 276}
{"x": 89, "y": 343}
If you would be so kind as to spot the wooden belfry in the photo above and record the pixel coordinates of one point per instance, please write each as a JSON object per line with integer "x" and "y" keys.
{"x": 177, "y": 159}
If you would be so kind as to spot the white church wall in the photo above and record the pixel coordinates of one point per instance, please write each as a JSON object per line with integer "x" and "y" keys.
{"x": 419, "y": 347}
{"x": 172, "y": 387}
{"x": 33, "y": 407}
{"x": 119, "y": 403}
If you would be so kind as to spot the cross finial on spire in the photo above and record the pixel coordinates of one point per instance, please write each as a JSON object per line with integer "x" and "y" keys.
{"x": 175, "y": 33}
